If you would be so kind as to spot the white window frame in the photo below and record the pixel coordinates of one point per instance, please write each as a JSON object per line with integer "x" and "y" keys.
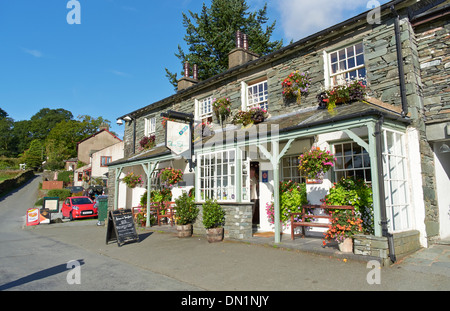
{"x": 201, "y": 105}
{"x": 150, "y": 126}
{"x": 396, "y": 180}
{"x": 250, "y": 99}
{"x": 336, "y": 75}
{"x": 356, "y": 152}
{"x": 290, "y": 171}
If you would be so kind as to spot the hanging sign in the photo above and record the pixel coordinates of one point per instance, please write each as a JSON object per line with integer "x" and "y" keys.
{"x": 33, "y": 216}
{"x": 178, "y": 137}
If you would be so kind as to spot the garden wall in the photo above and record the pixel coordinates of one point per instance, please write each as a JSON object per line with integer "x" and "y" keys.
{"x": 13, "y": 183}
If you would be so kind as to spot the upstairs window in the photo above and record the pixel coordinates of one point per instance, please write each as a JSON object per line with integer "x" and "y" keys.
{"x": 104, "y": 161}
{"x": 258, "y": 95}
{"x": 347, "y": 64}
{"x": 150, "y": 126}
{"x": 205, "y": 109}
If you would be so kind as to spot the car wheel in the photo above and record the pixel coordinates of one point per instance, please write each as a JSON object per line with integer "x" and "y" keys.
{"x": 71, "y": 216}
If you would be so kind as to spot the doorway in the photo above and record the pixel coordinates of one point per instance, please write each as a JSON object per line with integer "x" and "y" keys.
{"x": 254, "y": 191}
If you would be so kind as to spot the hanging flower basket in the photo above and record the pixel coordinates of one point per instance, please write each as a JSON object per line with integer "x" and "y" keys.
{"x": 254, "y": 115}
{"x": 132, "y": 180}
{"x": 147, "y": 143}
{"x": 221, "y": 108}
{"x": 296, "y": 85}
{"x": 170, "y": 176}
{"x": 316, "y": 162}
{"x": 349, "y": 92}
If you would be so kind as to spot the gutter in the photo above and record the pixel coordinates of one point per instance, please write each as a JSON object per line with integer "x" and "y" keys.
{"x": 384, "y": 220}
{"x": 401, "y": 69}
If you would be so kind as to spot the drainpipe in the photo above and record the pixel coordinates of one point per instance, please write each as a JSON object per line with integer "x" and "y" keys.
{"x": 383, "y": 214}
{"x": 401, "y": 70}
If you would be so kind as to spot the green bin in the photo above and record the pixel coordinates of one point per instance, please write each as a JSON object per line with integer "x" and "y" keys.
{"x": 102, "y": 203}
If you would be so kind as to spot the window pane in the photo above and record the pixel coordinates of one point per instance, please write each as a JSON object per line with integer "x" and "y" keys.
{"x": 333, "y": 57}
{"x": 350, "y": 52}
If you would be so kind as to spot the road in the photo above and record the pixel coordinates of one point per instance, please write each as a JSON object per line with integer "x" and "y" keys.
{"x": 36, "y": 259}
{"x": 31, "y": 262}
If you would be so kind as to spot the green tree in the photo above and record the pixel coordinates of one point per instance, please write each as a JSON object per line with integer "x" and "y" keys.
{"x": 34, "y": 155}
{"x": 210, "y": 36}
{"x": 6, "y": 139}
{"x": 44, "y": 121}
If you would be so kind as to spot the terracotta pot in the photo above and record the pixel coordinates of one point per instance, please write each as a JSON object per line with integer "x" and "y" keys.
{"x": 214, "y": 235}
{"x": 346, "y": 246}
{"x": 184, "y": 231}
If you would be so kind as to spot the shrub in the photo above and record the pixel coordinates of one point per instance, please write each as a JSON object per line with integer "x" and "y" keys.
{"x": 354, "y": 192}
{"x": 213, "y": 214}
{"x": 186, "y": 211}
{"x": 292, "y": 198}
{"x": 62, "y": 194}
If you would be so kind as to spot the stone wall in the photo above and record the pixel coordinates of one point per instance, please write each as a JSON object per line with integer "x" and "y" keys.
{"x": 238, "y": 221}
{"x": 405, "y": 243}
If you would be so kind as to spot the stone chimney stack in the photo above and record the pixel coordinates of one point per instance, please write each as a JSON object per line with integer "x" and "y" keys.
{"x": 241, "y": 54}
{"x": 186, "y": 81}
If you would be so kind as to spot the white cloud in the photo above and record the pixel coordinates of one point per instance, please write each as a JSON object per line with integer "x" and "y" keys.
{"x": 35, "y": 53}
{"x": 300, "y": 18}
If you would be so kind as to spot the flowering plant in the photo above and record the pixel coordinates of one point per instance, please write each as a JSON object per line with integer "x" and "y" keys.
{"x": 164, "y": 121}
{"x": 292, "y": 198}
{"x": 343, "y": 225}
{"x": 354, "y": 192}
{"x": 253, "y": 115}
{"x": 170, "y": 175}
{"x": 132, "y": 180}
{"x": 147, "y": 142}
{"x": 221, "y": 108}
{"x": 351, "y": 91}
{"x": 316, "y": 162}
{"x": 296, "y": 85}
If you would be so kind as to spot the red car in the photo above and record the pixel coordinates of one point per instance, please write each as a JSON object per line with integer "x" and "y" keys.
{"x": 78, "y": 207}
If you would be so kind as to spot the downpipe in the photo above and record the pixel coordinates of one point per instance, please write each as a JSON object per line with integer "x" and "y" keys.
{"x": 384, "y": 221}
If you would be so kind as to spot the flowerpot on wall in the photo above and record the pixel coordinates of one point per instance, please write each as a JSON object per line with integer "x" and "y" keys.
{"x": 346, "y": 246}
{"x": 184, "y": 231}
{"x": 214, "y": 235}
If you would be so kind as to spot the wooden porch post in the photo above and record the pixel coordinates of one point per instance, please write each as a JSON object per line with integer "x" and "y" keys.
{"x": 149, "y": 169}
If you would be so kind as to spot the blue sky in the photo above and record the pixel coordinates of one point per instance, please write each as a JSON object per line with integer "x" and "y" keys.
{"x": 113, "y": 62}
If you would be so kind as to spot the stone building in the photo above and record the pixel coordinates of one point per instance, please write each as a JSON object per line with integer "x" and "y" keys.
{"x": 396, "y": 139}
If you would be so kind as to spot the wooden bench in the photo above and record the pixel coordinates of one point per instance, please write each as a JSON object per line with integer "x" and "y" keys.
{"x": 305, "y": 214}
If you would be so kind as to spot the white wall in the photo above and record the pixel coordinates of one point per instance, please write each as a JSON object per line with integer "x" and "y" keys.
{"x": 442, "y": 167}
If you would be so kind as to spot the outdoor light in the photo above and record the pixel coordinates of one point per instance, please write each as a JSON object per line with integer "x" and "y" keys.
{"x": 119, "y": 122}
{"x": 127, "y": 118}
{"x": 444, "y": 148}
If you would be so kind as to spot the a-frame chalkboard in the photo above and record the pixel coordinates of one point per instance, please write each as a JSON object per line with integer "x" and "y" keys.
{"x": 121, "y": 227}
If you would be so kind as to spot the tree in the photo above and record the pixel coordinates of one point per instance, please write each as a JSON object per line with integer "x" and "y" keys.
{"x": 6, "y": 139}
{"x": 44, "y": 121}
{"x": 34, "y": 155}
{"x": 210, "y": 36}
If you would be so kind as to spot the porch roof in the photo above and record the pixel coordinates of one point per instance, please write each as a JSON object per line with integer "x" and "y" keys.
{"x": 301, "y": 119}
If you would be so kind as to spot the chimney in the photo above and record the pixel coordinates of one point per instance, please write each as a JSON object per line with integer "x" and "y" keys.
{"x": 186, "y": 81}
{"x": 241, "y": 54}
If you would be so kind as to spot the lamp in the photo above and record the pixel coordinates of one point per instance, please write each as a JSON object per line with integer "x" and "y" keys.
{"x": 444, "y": 148}
{"x": 128, "y": 118}
{"x": 119, "y": 122}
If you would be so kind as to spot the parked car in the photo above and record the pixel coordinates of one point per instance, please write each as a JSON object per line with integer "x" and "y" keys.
{"x": 75, "y": 189}
{"x": 78, "y": 207}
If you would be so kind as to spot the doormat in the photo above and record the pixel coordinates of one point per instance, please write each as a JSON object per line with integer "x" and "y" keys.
{"x": 264, "y": 234}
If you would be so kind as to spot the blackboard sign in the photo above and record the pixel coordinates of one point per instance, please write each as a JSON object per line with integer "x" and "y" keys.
{"x": 121, "y": 227}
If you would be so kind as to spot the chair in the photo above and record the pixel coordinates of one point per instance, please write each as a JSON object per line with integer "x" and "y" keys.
{"x": 166, "y": 210}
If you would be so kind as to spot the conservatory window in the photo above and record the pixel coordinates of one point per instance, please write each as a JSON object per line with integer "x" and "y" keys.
{"x": 395, "y": 180}
{"x": 290, "y": 170}
{"x": 352, "y": 160}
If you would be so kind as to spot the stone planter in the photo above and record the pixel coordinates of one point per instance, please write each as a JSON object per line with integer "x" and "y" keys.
{"x": 184, "y": 231}
{"x": 346, "y": 246}
{"x": 214, "y": 235}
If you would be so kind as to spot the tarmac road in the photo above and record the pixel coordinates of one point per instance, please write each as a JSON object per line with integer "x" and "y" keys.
{"x": 34, "y": 259}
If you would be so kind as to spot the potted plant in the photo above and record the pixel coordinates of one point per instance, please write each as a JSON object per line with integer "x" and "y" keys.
{"x": 170, "y": 176}
{"x": 221, "y": 108}
{"x": 186, "y": 213}
{"x": 344, "y": 225}
{"x": 316, "y": 162}
{"x": 351, "y": 91}
{"x": 254, "y": 115}
{"x": 147, "y": 142}
{"x": 213, "y": 220}
{"x": 132, "y": 180}
{"x": 296, "y": 85}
